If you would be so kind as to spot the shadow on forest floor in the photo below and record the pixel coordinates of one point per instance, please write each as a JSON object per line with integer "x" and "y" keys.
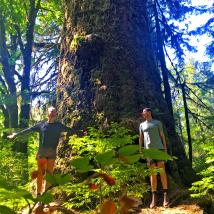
{"x": 180, "y": 203}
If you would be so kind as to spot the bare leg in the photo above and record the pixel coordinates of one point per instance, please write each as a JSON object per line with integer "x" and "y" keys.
{"x": 163, "y": 177}
{"x": 42, "y": 164}
{"x": 50, "y": 169}
{"x": 153, "y": 180}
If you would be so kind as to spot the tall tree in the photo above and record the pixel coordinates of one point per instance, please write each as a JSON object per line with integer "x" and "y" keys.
{"x": 196, "y": 85}
{"x": 108, "y": 70}
{"x": 20, "y": 45}
{"x": 27, "y": 47}
{"x": 165, "y": 17}
{"x": 8, "y": 83}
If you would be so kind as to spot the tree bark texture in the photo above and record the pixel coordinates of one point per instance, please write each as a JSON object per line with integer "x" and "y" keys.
{"x": 108, "y": 71}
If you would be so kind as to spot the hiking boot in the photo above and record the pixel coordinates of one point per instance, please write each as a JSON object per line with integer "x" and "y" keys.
{"x": 165, "y": 200}
{"x": 154, "y": 200}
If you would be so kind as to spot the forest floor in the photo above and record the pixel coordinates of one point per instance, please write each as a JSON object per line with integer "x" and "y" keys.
{"x": 178, "y": 209}
{"x": 184, "y": 207}
{"x": 181, "y": 209}
{"x": 180, "y": 203}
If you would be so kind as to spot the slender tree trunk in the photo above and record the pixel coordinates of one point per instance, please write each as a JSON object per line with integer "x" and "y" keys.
{"x": 9, "y": 77}
{"x": 25, "y": 80}
{"x": 27, "y": 52}
{"x": 187, "y": 121}
{"x": 180, "y": 128}
{"x": 108, "y": 71}
{"x": 161, "y": 58}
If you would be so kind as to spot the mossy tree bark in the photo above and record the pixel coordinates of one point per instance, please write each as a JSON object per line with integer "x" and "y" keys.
{"x": 108, "y": 72}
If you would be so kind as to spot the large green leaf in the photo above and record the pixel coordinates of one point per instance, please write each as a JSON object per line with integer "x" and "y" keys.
{"x": 156, "y": 154}
{"x": 133, "y": 158}
{"x": 15, "y": 194}
{"x": 106, "y": 158}
{"x": 46, "y": 198}
{"x": 128, "y": 150}
{"x": 50, "y": 179}
{"x": 62, "y": 179}
{"x": 82, "y": 164}
{"x": 6, "y": 210}
{"x": 58, "y": 179}
{"x": 24, "y": 194}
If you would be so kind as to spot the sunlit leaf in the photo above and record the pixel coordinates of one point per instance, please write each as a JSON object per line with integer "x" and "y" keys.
{"x": 82, "y": 164}
{"x": 128, "y": 150}
{"x": 133, "y": 158}
{"x": 156, "y": 154}
{"x": 46, "y": 198}
{"x": 106, "y": 158}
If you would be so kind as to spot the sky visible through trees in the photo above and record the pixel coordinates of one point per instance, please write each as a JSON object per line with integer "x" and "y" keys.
{"x": 199, "y": 41}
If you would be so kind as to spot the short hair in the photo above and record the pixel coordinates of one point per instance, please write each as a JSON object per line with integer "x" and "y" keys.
{"x": 148, "y": 109}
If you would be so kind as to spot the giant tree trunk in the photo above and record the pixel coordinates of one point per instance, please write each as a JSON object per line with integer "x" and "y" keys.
{"x": 107, "y": 70}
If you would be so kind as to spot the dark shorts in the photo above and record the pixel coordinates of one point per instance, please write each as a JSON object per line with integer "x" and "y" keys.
{"x": 153, "y": 161}
{"x": 46, "y": 153}
{"x": 38, "y": 157}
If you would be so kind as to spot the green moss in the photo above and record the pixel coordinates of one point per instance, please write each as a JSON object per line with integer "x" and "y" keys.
{"x": 77, "y": 39}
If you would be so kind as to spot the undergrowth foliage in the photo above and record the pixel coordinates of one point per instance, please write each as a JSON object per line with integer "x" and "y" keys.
{"x": 205, "y": 186}
{"x": 106, "y": 174}
{"x": 110, "y": 163}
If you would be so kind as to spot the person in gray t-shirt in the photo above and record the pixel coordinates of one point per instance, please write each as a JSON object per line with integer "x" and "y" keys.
{"x": 49, "y": 134}
{"x": 152, "y": 136}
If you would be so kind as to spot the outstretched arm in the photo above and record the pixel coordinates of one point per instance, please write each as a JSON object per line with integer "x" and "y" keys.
{"x": 25, "y": 131}
{"x": 64, "y": 128}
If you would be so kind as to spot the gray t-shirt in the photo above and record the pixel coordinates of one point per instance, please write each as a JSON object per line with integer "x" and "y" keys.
{"x": 49, "y": 134}
{"x": 151, "y": 132}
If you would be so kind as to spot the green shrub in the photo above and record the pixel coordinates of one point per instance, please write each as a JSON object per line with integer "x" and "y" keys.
{"x": 205, "y": 186}
{"x": 108, "y": 165}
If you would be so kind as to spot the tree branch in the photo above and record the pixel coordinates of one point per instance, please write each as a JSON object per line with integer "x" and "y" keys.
{"x": 18, "y": 75}
{"x": 21, "y": 45}
{"x": 195, "y": 116}
{"x": 203, "y": 104}
{"x": 44, "y": 44}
